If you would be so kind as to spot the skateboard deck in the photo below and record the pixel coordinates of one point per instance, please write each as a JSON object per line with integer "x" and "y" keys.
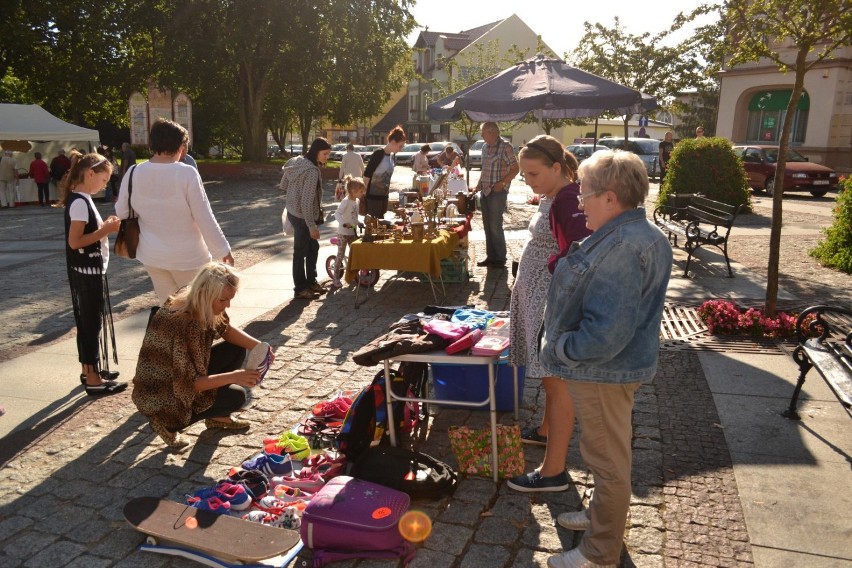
{"x": 221, "y": 536}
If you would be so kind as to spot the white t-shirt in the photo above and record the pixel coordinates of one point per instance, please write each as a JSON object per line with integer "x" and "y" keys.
{"x": 79, "y": 212}
{"x": 347, "y": 213}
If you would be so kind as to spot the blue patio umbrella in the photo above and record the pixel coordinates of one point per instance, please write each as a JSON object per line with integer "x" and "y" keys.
{"x": 545, "y": 87}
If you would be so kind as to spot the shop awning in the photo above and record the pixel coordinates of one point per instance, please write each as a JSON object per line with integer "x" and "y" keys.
{"x": 777, "y": 100}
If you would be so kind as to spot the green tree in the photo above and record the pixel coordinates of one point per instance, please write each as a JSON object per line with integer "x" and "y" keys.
{"x": 79, "y": 61}
{"x": 761, "y": 29}
{"x": 642, "y": 62}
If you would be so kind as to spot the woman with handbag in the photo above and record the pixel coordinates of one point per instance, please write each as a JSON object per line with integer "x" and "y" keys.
{"x": 178, "y": 232}
{"x": 87, "y": 257}
{"x": 303, "y": 183}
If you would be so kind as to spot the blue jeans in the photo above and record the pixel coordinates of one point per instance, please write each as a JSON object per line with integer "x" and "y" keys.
{"x": 305, "y": 254}
{"x": 493, "y": 207}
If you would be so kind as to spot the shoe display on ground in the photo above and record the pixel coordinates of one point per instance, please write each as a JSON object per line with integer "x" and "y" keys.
{"x": 105, "y": 375}
{"x": 271, "y": 464}
{"x": 306, "y": 294}
{"x": 574, "y": 520}
{"x": 531, "y": 436}
{"x": 256, "y": 483}
{"x": 212, "y": 504}
{"x": 106, "y": 387}
{"x": 573, "y": 559}
{"x": 235, "y": 495}
{"x": 534, "y": 482}
{"x": 211, "y": 424}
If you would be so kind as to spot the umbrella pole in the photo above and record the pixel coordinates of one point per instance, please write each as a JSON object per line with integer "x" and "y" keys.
{"x": 595, "y": 149}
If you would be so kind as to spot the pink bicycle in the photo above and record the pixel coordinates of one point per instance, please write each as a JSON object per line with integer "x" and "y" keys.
{"x": 366, "y": 277}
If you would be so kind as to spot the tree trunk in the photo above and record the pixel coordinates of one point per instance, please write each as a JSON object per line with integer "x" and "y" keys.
{"x": 771, "y": 305}
{"x": 252, "y": 94}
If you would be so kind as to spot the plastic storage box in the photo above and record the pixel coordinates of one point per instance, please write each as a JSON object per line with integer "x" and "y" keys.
{"x": 469, "y": 383}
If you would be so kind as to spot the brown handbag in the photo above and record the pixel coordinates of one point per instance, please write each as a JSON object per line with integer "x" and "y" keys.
{"x": 127, "y": 238}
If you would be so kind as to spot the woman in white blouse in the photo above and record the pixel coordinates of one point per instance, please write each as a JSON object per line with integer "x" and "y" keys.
{"x": 179, "y": 234}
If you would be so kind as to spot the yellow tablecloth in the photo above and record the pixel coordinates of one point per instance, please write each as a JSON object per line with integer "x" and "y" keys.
{"x": 406, "y": 256}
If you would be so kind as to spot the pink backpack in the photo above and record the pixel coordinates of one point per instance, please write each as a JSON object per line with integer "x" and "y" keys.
{"x": 351, "y": 518}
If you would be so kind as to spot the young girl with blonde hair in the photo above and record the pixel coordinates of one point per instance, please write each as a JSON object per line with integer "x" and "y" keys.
{"x": 87, "y": 257}
{"x": 347, "y": 219}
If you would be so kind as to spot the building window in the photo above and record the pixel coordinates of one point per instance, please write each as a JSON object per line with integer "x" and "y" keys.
{"x": 766, "y": 112}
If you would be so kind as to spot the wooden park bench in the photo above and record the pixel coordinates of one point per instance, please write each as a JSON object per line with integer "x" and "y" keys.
{"x": 824, "y": 334}
{"x": 701, "y": 221}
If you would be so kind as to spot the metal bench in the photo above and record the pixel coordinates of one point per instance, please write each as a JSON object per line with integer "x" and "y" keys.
{"x": 824, "y": 334}
{"x": 694, "y": 222}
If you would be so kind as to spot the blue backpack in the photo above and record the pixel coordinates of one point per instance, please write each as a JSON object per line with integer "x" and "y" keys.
{"x": 366, "y": 421}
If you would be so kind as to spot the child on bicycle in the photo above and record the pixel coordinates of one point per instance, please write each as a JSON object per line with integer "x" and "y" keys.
{"x": 347, "y": 220}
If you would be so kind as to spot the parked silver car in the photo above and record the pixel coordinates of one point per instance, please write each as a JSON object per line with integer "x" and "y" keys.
{"x": 475, "y": 154}
{"x": 646, "y": 148}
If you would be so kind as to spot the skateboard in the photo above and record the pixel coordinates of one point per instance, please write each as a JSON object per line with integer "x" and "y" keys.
{"x": 222, "y": 537}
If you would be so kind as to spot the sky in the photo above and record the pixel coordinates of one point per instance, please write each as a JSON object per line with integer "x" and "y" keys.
{"x": 554, "y": 20}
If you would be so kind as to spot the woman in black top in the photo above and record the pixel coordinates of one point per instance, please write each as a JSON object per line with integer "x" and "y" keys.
{"x": 377, "y": 175}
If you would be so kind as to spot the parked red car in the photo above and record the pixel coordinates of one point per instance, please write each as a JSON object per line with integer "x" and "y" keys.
{"x": 799, "y": 174}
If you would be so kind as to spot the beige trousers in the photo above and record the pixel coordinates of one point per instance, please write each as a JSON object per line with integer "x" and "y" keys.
{"x": 605, "y": 412}
{"x": 167, "y": 282}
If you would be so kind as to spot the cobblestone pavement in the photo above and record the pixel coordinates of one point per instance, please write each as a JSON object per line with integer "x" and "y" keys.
{"x": 61, "y": 497}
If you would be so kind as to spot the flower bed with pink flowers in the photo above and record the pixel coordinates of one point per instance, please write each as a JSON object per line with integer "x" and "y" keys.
{"x": 723, "y": 317}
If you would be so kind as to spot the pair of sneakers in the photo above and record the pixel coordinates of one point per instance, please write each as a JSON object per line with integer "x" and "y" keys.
{"x": 234, "y": 495}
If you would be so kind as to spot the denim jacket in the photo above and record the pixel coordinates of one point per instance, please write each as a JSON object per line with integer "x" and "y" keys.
{"x": 602, "y": 317}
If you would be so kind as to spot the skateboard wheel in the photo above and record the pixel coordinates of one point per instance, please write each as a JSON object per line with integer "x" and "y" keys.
{"x": 151, "y": 540}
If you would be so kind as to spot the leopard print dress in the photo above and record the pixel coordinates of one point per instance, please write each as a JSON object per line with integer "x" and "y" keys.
{"x": 530, "y": 292}
{"x": 175, "y": 352}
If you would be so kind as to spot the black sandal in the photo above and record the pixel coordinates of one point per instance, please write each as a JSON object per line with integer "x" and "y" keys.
{"x": 106, "y": 387}
{"x": 105, "y": 375}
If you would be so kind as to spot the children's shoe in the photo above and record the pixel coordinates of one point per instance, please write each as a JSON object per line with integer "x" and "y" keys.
{"x": 235, "y": 495}
{"x": 286, "y": 519}
{"x": 271, "y": 464}
{"x": 310, "y": 483}
{"x": 259, "y": 358}
{"x": 334, "y": 408}
{"x": 295, "y": 446}
{"x": 256, "y": 483}
{"x": 212, "y": 504}
{"x": 232, "y": 425}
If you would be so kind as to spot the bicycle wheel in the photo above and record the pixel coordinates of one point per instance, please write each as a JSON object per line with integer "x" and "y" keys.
{"x": 367, "y": 278}
{"x": 331, "y": 267}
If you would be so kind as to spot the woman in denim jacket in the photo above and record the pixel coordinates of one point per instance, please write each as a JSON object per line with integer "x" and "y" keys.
{"x": 601, "y": 334}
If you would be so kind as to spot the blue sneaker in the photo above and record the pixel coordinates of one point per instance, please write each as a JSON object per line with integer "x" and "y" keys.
{"x": 235, "y": 495}
{"x": 271, "y": 464}
{"x": 534, "y": 482}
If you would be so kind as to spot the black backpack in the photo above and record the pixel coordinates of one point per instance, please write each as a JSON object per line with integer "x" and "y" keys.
{"x": 419, "y": 475}
{"x": 367, "y": 419}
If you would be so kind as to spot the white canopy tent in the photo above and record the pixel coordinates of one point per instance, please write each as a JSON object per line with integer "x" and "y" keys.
{"x": 46, "y": 134}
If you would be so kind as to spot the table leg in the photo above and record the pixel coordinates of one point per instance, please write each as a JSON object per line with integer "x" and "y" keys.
{"x": 492, "y": 403}
{"x": 389, "y": 402}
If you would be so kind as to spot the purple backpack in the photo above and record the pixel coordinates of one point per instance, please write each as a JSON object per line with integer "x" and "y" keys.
{"x": 351, "y": 518}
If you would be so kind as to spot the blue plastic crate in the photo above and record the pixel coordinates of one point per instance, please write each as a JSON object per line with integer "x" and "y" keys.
{"x": 469, "y": 383}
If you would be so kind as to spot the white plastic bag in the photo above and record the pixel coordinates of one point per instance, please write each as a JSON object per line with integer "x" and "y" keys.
{"x": 286, "y": 225}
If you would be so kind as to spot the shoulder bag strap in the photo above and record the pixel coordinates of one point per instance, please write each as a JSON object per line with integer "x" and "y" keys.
{"x": 132, "y": 213}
